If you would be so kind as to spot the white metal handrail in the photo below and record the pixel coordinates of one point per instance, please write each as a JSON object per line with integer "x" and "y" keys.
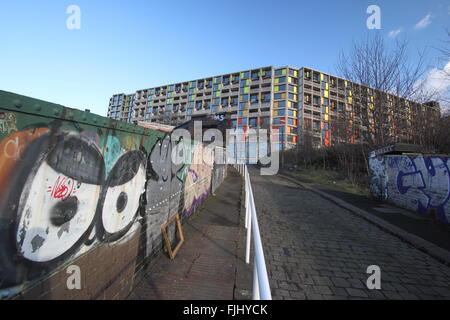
{"x": 261, "y": 287}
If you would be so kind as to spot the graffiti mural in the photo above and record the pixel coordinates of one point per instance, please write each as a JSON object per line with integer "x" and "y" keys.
{"x": 419, "y": 183}
{"x": 77, "y": 192}
{"x": 164, "y": 186}
{"x": 198, "y": 179}
{"x": 377, "y": 174}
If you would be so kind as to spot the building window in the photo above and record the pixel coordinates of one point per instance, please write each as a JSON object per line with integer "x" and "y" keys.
{"x": 316, "y": 100}
{"x": 267, "y": 73}
{"x": 280, "y": 72}
{"x": 280, "y": 88}
{"x": 245, "y": 75}
{"x": 280, "y": 80}
{"x": 316, "y": 77}
{"x": 254, "y": 98}
{"x": 265, "y": 97}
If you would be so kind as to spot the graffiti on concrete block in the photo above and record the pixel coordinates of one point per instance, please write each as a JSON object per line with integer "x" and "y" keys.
{"x": 419, "y": 183}
{"x": 77, "y": 193}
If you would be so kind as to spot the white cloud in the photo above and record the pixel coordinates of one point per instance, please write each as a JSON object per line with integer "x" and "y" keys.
{"x": 424, "y": 22}
{"x": 395, "y": 32}
{"x": 437, "y": 83}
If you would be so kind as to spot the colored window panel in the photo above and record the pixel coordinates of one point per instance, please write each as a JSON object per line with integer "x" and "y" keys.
{"x": 245, "y": 75}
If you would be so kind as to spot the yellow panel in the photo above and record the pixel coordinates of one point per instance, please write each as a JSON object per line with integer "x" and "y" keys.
{"x": 326, "y": 117}
{"x": 325, "y": 93}
{"x": 321, "y": 77}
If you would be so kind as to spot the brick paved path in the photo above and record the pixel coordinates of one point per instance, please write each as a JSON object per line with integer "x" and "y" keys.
{"x": 205, "y": 266}
{"x": 317, "y": 250}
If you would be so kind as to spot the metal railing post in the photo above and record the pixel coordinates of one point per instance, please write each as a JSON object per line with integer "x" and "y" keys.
{"x": 261, "y": 287}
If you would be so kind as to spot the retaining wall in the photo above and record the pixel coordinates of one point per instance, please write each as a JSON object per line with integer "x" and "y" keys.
{"x": 77, "y": 189}
{"x": 416, "y": 182}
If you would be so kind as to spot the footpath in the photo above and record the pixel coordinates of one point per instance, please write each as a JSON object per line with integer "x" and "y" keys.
{"x": 209, "y": 265}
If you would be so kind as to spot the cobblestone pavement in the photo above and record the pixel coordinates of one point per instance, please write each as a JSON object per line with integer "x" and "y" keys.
{"x": 315, "y": 249}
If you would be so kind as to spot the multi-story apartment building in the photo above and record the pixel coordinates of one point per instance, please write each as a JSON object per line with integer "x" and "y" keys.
{"x": 297, "y": 102}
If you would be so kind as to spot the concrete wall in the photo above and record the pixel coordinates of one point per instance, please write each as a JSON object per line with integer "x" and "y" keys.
{"x": 82, "y": 190}
{"x": 416, "y": 182}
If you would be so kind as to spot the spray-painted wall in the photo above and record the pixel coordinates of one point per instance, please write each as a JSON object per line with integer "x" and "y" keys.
{"x": 416, "y": 182}
{"x": 80, "y": 189}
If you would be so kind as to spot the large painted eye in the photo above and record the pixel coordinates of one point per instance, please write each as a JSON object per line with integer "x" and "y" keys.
{"x": 58, "y": 203}
{"x": 125, "y": 185}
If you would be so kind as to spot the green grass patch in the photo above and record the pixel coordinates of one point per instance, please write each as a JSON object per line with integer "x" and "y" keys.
{"x": 330, "y": 179}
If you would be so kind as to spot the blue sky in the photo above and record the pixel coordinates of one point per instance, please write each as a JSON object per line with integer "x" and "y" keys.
{"x": 123, "y": 46}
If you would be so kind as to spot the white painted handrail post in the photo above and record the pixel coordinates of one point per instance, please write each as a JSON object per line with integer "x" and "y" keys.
{"x": 261, "y": 287}
{"x": 260, "y": 263}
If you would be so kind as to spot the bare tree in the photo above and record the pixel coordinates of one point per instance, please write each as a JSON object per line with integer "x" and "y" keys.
{"x": 444, "y": 49}
{"x": 394, "y": 79}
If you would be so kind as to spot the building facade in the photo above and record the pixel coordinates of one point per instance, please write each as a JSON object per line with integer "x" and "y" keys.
{"x": 301, "y": 103}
